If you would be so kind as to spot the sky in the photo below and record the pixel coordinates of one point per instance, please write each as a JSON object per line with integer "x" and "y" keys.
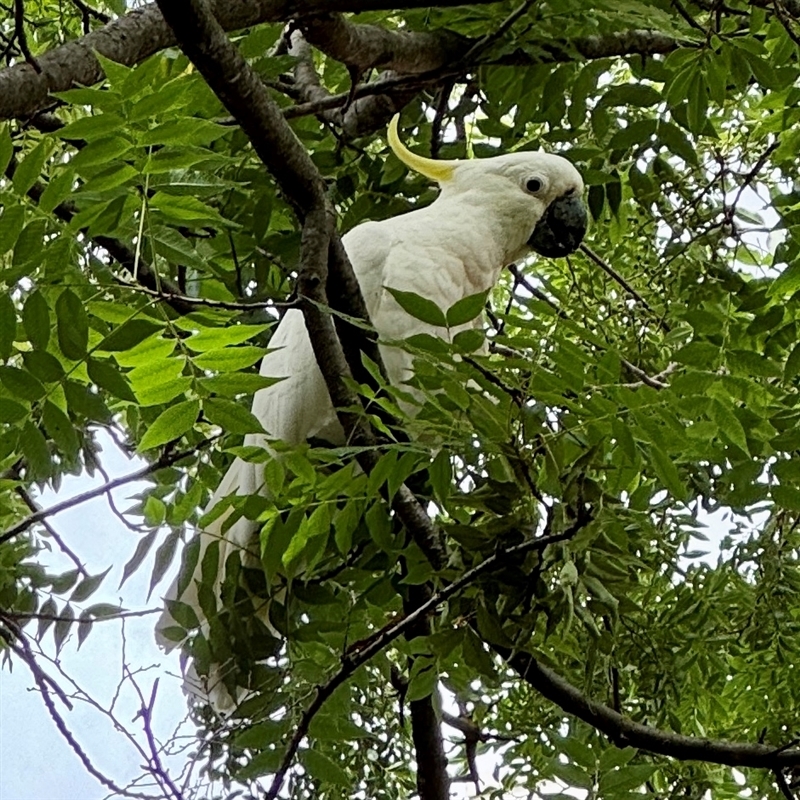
{"x": 36, "y": 763}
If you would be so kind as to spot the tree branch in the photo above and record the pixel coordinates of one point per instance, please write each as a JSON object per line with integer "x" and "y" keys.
{"x": 244, "y": 95}
{"x": 361, "y": 652}
{"x": 624, "y": 732}
{"x": 365, "y": 47}
{"x": 166, "y": 459}
{"x": 140, "y": 33}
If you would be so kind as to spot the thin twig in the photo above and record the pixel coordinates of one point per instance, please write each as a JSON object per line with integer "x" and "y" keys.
{"x": 43, "y": 684}
{"x": 165, "y": 460}
{"x": 19, "y": 615}
{"x": 490, "y": 38}
{"x": 223, "y": 305}
{"x": 609, "y": 270}
{"x": 52, "y": 533}
{"x": 360, "y": 652}
{"x": 155, "y": 765}
{"x": 22, "y": 38}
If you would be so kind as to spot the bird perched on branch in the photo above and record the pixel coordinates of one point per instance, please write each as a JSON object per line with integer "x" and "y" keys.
{"x": 489, "y": 213}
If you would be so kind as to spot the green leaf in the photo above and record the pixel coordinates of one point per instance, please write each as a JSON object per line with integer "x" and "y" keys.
{"x": 237, "y": 383}
{"x": 37, "y": 454}
{"x": 324, "y": 769}
{"x": 92, "y": 127}
{"x": 129, "y": 335}
{"x": 468, "y": 341}
{"x": 214, "y": 338}
{"x": 699, "y": 354}
{"x": 58, "y": 188}
{"x": 11, "y": 224}
{"x": 109, "y": 377}
{"x": 667, "y": 472}
{"x": 73, "y": 327}
{"x": 163, "y": 559}
{"x": 63, "y": 626}
{"x": 183, "y": 614}
{"x": 60, "y": 429}
{"x": 142, "y": 549}
{"x": 466, "y": 309}
{"x": 103, "y": 151}
{"x": 8, "y": 325}
{"x": 47, "y": 368}
{"x": 11, "y": 411}
{"x": 625, "y": 779}
{"x": 184, "y": 209}
{"x": 170, "y": 424}
{"x": 262, "y": 735}
{"x": 154, "y": 511}
{"x": 264, "y": 763}
{"x": 229, "y": 359}
{"x": 29, "y": 170}
{"x": 788, "y": 282}
{"x": 729, "y": 424}
{"x": 792, "y": 367}
{"x": 231, "y": 417}
{"x": 87, "y": 587}
{"x": 36, "y": 320}
{"x": 6, "y": 148}
{"x": 419, "y": 307}
{"x": 21, "y": 383}
{"x": 786, "y": 497}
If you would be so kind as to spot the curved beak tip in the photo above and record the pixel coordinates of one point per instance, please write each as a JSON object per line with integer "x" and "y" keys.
{"x": 562, "y": 228}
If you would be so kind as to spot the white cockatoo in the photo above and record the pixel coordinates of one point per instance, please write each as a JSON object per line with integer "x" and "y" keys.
{"x": 489, "y": 213}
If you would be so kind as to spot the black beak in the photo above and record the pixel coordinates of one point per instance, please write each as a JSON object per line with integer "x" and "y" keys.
{"x": 562, "y": 228}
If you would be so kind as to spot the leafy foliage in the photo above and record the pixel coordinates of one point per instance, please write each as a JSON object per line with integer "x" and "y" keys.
{"x": 625, "y": 399}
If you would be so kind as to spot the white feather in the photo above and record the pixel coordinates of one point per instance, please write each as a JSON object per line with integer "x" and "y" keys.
{"x": 449, "y": 250}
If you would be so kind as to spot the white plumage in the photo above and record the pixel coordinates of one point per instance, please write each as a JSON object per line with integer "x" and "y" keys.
{"x": 489, "y": 213}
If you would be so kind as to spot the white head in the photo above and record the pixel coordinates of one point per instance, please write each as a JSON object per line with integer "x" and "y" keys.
{"x": 542, "y": 190}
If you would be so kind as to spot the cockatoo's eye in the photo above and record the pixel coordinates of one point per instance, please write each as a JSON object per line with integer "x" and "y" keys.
{"x": 534, "y": 185}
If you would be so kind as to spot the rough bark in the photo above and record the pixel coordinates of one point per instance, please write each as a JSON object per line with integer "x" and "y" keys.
{"x": 364, "y": 47}
{"x": 140, "y": 33}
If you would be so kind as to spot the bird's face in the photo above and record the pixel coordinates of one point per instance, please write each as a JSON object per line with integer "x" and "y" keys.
{"x": 538, "y": 195}
{"x": 544, "y": 192}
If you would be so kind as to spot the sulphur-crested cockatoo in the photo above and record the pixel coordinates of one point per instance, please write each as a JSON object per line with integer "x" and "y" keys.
{"x": 489, "y": 213}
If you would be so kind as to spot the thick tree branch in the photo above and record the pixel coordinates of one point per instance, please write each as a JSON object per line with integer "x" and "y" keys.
{"x": 365, "y": 47}
{"x": 246, "y": 98}
{"x": 142, "y": 32}
{"x": 433, "y": 782}
{"x": 356, "y": 113}
{"x": 624, "y": 732}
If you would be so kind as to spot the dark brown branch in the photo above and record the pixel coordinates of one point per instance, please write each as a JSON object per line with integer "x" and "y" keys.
{"x": 155, "y": 766}
{"x": 167, "y": 459}
{"x": 137, "y": 35}
{"x": 52, "y": 532}
{"x": 624, "y": 732}
{"x": 433, "y": 782}
{"x": 359, "y": 112}
{"x": 246, "y": 98}
{"x": 654, "y": 382}
{"x": 365, "y": 47}
{"x": 611, "y": 272}
{"x": 87, "y": 11}
{"x": 21, "y": 36}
